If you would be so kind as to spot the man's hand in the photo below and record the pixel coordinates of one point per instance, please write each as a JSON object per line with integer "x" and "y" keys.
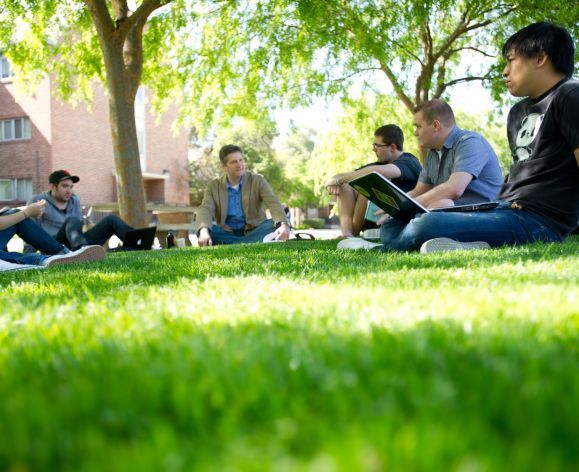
{"x": 204, "y": 238}
{"x": 35, "y": 210}
{"x": 282, "y": 233}
{"x": 385, "y": 216}
{"x": 334, "y": 184}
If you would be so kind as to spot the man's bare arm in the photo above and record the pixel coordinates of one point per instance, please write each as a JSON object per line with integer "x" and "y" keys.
{"x": 452, "y": 189}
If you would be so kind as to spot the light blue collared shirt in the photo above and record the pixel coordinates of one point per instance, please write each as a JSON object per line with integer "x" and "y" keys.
{"x": 465, "y": 151}
{"x": 235, "y": 217}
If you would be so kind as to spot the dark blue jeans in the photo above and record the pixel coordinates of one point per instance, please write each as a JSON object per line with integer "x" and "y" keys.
{"x": 31, "y": 233}
{"x": 498, "y": 227}
{"x": 220, "y": 236}
{"x": 70, "y": 233}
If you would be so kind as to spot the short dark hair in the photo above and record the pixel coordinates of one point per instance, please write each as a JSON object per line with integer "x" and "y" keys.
{"x": 544, "y": 38}
{"x": 436, "y": 109}
{"x": 226, "y": 150}
{"x": 391, "y": 134}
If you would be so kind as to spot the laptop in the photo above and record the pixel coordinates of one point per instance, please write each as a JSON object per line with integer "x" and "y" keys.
{"x": 397, "y": 203}
{"x": 140, "y": 239}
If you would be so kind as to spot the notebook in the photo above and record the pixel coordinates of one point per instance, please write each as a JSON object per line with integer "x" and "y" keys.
{"x": 397, "y": 203}
{"x": 141, "y": 238}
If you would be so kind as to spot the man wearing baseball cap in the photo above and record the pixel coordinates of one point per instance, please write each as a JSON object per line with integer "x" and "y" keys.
{"x": 62, "y": 218}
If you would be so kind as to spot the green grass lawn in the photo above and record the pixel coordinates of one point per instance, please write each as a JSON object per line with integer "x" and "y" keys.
{"x": 293, "y": 357}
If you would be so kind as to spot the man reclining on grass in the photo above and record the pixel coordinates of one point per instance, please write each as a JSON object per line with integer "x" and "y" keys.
{"x": 540, "y": 197}
{"x": 19, "y": 222}
{"x": 236, "y": 203}
{"x": 62, "y": 218}
{"x": 392, "y": 162}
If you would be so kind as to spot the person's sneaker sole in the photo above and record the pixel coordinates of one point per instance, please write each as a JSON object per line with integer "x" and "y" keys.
{"x": 85, "y": 254}
{"x": 447, "y": 244}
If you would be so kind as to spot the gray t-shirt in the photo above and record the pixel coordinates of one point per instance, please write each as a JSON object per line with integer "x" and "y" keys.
{"x": 465, "y": 151}
{"x": 53, "y": 217}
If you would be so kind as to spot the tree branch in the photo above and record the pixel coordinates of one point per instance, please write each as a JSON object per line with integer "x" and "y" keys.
{"x": 491, "y": 20}
{"x": 100, "y": 15}
{"x": 397, "y": 87}
{"x": 470, "y": 48}
{"x": 427, "y": 67}
{"x": 441, "y": 88}
{"x": 140, "y": 16}
{"x": 340, "y": 79}
{"x": 120, "y": 10}
{"x": 408, "y": 51}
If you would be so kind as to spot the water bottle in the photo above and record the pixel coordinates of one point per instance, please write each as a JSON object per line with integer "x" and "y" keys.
{"x": 170, "y": 240}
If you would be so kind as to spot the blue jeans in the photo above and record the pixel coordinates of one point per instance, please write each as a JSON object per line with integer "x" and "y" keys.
{"x": 70, "y": 233}
{"x": 31, "y": 233}
{"x": 256, "y": 235}
{"x": 498, "y": 227}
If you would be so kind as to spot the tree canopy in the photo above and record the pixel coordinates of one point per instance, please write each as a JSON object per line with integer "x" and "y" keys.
{"x": 284, "y": 52}
{"x": 222, "y": 58}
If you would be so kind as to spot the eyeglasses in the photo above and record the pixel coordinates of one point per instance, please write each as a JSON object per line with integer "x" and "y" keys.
{"x": 376, "y": 145}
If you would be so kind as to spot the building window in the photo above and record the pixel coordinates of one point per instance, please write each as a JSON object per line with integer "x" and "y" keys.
{"x": 15, "y": 190}
{"x": 14, "y": 129}
{"x": 5, "y": 69}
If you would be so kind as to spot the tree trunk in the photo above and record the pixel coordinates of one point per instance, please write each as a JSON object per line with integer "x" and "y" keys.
{"x": 130, "y": 190}
{"x": 122, "y": 48}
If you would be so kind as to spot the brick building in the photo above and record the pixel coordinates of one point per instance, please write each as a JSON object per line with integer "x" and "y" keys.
{"x": 39, "y": 134}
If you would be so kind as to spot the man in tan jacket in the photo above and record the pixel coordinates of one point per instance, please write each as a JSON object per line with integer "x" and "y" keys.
{"x": 236, "y": 203}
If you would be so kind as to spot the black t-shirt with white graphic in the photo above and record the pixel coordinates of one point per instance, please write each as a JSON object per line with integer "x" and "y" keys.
{"x": 544, "y": 177}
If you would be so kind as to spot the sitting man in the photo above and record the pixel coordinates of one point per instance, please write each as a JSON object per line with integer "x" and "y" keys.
{"x": 401, "y": 167}
{"x": 461, "y": 167}
{"x": 540, "y": 198}
{"x": 236, "y": 203}
{"x": 20, "y": 222}
{"x": 62, "y": 218}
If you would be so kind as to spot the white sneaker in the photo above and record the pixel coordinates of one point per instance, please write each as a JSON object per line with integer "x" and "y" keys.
{"x": 5, "y": 265}
{"x": 447, "y": 244}
{"x": 270, "y": 238}
{"x": 356, "y": 243}
{"x": 84, "y": 254}
{"x": 373, "y": 233}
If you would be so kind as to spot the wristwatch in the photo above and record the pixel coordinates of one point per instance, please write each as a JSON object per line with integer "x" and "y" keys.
{"x": 279, "y": 223}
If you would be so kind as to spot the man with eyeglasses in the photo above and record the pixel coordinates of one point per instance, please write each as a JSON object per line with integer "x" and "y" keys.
{"x": 460, "y": 168}
{"x": 401, "y": 167}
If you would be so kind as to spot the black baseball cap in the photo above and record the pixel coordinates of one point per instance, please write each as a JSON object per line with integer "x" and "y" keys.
{"x": 60, "y": 175}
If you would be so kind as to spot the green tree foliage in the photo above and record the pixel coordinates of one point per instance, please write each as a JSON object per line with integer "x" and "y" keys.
{"x": 288, "y": 52}
{"x": 224, "y": 58}
{"x": 294, "y": 154}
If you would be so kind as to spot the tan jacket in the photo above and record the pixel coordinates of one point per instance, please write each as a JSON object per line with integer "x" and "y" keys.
{"x": 255, "y": 195}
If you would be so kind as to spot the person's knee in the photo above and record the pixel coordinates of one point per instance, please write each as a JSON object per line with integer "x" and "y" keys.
{"x": 422, "y": 227}
{"x": 72, "y": 222}
{"x": 112, "y": 219}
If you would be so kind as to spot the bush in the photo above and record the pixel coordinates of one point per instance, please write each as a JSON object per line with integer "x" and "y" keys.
{"x": 315, "y": 223}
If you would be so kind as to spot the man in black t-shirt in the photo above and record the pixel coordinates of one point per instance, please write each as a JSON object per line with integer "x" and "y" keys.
{"x": 401, "y": 167}
{"x": 540, "y": 197}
